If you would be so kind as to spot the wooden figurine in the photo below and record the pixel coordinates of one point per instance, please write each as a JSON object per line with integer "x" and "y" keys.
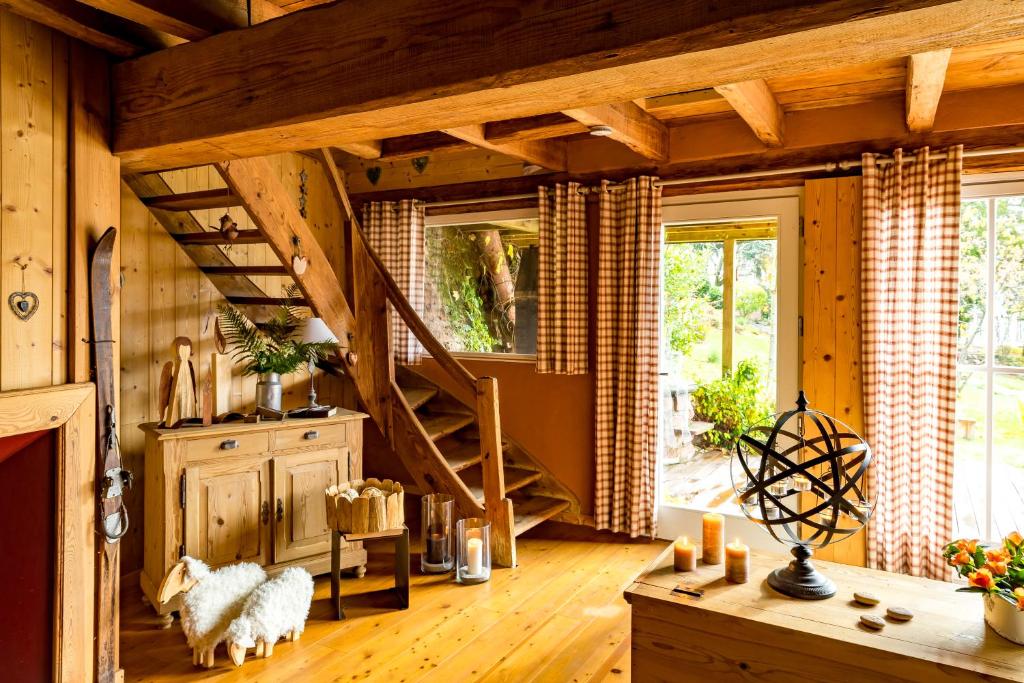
{"x": 181, "y": 396}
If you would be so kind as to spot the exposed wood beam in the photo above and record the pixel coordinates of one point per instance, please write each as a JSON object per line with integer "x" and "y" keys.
{"x": 78, "y": 21}
{"x": 190, "y": 19}
{"x": 547, "y": 153}
{"x": 756, "y": 104}
{"x": 926, "y": 72}
{"x": 364, "y": 149}
{"x": 412, "y": 146}
{"x": 630, "y": 125}
{"x": 533, "y": 128}
{"x": 286, "y": 86}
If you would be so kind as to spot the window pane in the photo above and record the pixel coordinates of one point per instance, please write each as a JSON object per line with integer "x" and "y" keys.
{"x": 969, "y": 497}
{"x": 973, "y": 278}
{"x": 755, "y": 309}
{"x": 693, "y": 310}
{"x": 480, "y": 293}
{"x": 1007, "y": 453}
{"x": 1009, "y": 282}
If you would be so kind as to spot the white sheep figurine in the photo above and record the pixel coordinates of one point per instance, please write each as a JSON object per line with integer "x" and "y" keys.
{"x": 211, "y": 600}
{"x": 274, "y": 610}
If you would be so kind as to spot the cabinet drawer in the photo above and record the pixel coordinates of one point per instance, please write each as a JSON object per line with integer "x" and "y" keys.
{"x": 228, "y": 444}
{"x": 311, "y": 435}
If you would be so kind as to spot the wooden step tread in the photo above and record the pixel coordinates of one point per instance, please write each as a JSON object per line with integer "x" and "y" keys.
{"x": 266, "y": 301}
{"x": 417, "y": 396}
{"x": 529, "y": 512}
{"x": 460, "y": 454}
{"x": 222, "y": 198}
{"x": 514, "y": 479}
{"x": 442, "y": 424}
{"x": 245, "y": 270}
{"x": 215, "y": 237}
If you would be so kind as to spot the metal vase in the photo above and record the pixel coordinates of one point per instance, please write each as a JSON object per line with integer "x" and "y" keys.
{"x": 268, "y": 391}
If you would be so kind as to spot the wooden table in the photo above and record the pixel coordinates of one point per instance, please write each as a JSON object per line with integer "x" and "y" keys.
{"x": 749, "y": 632}
{"x": 400, "y": 537}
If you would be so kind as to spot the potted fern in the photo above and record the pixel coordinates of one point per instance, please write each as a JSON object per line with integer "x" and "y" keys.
{"x": 271, "y": 351}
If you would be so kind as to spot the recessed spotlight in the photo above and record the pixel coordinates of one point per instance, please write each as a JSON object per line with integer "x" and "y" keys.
{"x": 601, "y": 131}
{"x": 532, "y": 169}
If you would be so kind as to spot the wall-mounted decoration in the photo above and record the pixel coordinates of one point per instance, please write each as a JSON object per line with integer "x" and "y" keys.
{"x": 420, "y": 164}
{"x": 373, "y": 174}
{"x": 228, "y": 227}
{"x": 24, "y": 304}
{"x": 303, "y": 192}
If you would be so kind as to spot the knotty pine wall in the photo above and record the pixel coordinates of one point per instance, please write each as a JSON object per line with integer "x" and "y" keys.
{"x": 164, "y": 295}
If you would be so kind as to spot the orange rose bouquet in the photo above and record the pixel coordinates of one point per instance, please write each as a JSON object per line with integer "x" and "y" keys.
{"x": 998, "y": 571}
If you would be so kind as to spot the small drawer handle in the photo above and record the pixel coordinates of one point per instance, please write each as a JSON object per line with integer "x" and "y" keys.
{"x": 311, "y": 435}
{"x": 229, "y": 444}
{"x": 280, "y": 510}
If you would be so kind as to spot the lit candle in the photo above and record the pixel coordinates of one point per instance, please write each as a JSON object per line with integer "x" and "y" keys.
{"x": 713, "y": 538}
{"x": 474, "y": 556}
{"x": 801, "y": 482}
{"x": 779, "y": 488}
{"x": 685, "y": 555}
{"x": 737, "y": 562}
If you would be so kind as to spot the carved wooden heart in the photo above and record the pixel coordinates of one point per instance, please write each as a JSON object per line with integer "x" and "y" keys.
{"x": 23, "y": 304}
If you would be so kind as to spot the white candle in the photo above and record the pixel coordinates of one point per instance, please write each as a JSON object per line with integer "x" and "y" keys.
{"x": 737, "y": 562}
{"x": 474, "y": 556}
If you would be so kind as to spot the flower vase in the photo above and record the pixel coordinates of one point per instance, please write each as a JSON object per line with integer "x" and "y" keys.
{"x": 1005, "y": 619}
{"x": 268, "y": 391}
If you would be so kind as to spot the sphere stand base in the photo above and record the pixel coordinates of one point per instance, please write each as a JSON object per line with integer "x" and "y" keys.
{"x": 800, "y": 579}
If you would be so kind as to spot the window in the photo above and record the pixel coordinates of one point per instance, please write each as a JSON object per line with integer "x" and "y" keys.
{"x": 480, "y": 293}
{"x": 989, "y": 453}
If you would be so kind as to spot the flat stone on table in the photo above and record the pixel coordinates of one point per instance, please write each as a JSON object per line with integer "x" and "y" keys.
{"x": 875, "y": 623}
{"x": 899, "y": 614}
{"x": 869, "y": 599}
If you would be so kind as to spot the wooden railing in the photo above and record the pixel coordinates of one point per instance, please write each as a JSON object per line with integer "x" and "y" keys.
{"x": 406, "y": 432}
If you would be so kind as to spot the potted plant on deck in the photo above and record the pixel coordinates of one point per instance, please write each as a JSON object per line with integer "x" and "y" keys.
{"x": 998, "y": 573}
{"x": 271, "y": 351}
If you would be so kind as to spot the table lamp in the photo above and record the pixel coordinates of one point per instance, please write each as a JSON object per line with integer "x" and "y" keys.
{"x": 313, "y": 331}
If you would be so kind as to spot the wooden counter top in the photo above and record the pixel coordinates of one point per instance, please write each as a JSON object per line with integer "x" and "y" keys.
{"x": 342, "y": 415}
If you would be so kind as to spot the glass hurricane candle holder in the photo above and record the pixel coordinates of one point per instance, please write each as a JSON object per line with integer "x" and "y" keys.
{"x": 473, "y": 538}
{"x": 436, "y": 526}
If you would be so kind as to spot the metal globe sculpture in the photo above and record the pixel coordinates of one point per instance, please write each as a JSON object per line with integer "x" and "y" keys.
{"x": 800, "y": 474}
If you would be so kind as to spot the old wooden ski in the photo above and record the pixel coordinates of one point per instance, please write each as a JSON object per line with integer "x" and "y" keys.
{"x": 112, "y": 479}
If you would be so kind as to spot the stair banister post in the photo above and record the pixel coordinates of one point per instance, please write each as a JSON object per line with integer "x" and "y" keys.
{"x": 497, "y": 507}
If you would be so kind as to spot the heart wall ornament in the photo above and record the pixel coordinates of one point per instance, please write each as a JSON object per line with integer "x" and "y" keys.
{"x": 23, "y": 304}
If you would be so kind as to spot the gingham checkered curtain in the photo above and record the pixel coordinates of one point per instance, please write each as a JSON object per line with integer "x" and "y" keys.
{"x": 909, "y": 281}
{"x": 562, "y": 291}
{"x": 629, "y": 258}
{"x": 395, "y": 231}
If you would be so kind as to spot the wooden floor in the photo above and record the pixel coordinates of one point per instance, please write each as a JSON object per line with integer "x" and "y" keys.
{"x": 559, "y": 616}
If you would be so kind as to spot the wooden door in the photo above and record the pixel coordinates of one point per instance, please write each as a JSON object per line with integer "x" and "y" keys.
{"x": 300, "y": 516}
{"x": 227, "y": 512}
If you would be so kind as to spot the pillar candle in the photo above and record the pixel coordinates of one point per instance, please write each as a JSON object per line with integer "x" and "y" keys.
{"x": 474, "y": 556}
{"x": 737, "y": 562}
{"x": 713, "y": 538}
{"x": 685, "y": 553}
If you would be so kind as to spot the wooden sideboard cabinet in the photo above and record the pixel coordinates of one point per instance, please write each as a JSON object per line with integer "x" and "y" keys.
{"x": 246, "y": 493}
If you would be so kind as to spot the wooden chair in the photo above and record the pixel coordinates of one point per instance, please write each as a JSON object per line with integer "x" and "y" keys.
{"x": 400, "y": 537}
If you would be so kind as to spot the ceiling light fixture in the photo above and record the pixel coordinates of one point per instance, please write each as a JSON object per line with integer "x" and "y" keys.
{"x": 601, "y": 131}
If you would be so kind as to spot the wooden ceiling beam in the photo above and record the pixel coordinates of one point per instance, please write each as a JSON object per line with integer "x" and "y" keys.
{"x": 627, "y": 123}
{"x": 78, "y": 21}
{"x": 538, "y": 127}
{"x": 926, "y": 74}
{"x": 755, "y": 102}
{"x": 547, "y": 153}
{"x": 364, "y": 149}
{"x": 190, "y": 19}
{"x": 287, "y": 86}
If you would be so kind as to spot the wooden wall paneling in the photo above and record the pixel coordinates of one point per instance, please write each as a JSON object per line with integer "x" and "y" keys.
{"x": 26, "y": 136}
{"x": 59, "y": 212}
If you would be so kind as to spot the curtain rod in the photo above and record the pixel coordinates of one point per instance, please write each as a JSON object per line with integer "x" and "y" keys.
{"x": 828, "y": 166}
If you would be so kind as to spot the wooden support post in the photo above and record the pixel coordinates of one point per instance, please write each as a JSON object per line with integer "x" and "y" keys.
{"x": 728, "y": 296}
{"x": 497, "y": 508}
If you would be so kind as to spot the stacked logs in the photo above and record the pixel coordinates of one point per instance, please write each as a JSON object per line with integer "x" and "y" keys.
{"x": 362, "y": 507}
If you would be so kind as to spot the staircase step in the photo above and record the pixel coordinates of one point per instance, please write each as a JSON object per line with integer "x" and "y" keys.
{"x": 441, "y": 425}
{"x": 529, "y": 512}
{"x": 417, "y": 396}
{"x": 460, "y": 454}
{"x": 215, "y": 237}
{"x": 245, "y": 270}
{"x": 266, "y": 301}
{"x": 194, "y": 201}
{"x": 514, "y": 479}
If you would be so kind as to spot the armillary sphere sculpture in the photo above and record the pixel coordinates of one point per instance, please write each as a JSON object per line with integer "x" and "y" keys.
{"x": 800, "y": 475}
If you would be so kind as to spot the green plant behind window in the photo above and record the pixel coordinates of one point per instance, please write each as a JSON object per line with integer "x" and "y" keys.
{"x": 732, "y": 404}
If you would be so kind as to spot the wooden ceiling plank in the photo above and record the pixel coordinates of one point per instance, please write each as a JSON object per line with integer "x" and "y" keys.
{"x": 756, "y": 104}
{"x": 547, "y": 153}
{"x": 189, "y": 19}
{"x": 364, "y": 149}
{"x": 926, "y": 74}
{"x": 76, "y": 20}
{"x": 538, "y": 127}
{"x": 287, "y": 87}
{"x": 630, "y": 125}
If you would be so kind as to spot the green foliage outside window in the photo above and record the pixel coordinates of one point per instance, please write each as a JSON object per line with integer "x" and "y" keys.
{"x": 454, "y": 267}
{"x": 733, "y": 404}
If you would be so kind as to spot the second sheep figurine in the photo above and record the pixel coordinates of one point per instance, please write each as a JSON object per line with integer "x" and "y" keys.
{"x": 276, "y": 609}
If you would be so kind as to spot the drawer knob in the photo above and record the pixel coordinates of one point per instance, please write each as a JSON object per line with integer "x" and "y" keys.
{"x": 311, "y": 434}
{"x": 229, "y": 444}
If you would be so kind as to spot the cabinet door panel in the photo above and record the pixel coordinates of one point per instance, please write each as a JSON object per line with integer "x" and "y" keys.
{"x": 300, "y": 513}
{"x": 227, "y": 513}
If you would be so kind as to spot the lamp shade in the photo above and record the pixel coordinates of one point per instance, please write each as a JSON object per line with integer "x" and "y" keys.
{"x": 314, "y": 330}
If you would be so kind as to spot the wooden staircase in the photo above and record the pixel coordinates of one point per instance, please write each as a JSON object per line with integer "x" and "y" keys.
{"x": 449, "y": 442}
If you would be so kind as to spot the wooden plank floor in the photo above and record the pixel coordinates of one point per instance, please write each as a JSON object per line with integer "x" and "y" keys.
{"x": 559, "y": 616}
